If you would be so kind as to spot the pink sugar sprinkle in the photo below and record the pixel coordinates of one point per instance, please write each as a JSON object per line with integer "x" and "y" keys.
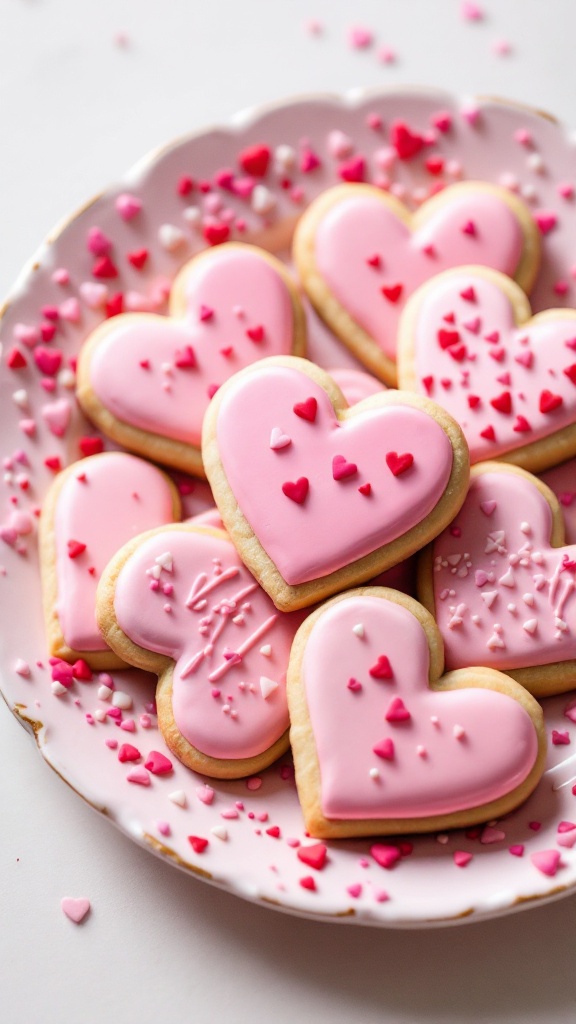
{"x": 386, "y": 55}
{"x": 314, "y": 27}
{"x": 163, "y": 828}
{"x": 502, "y": 47}
{"x": 471, "y": 11}
{"x": 61, "y": 276}
{"x": 560, "y": 739}
{"x": 360, "y": 38}
{"x": 254, "y": 783}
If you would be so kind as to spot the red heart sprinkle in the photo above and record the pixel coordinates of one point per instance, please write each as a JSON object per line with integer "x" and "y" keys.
{"x": 488, "y": 433}
{"x": 91, "y": 445}
{"x": 185, "y": 358}
{"x": 75, "y": 548}
{"x": 428, "y": 383}
{"x": 502, "y": 403}
{"x": 273, "y": 831}
{"x": 406, "y": 142}
{"x": 570, "y": 372}
{"x": 314, "y": 856}
{"x": 216, "y": 233}
{"x": 354, "y": 685}
{"x": 255, "y": 159}
{"x": 138, "y": 258}
{"x": 468, "y": 294}
{"x": 15, "y": 360}
{"x": 374, "y": 261}
{"x": 197, "y": 843}
{"x": 296, "y": 491}
{"x": 521, "y": 425}
{"x": 104, "y": 268}
{"x": 392, "y": 292}
{"x": 307, "y": 410}
{"x": 365, "y": 489}
{"x": 549, "y": 401}
{"x": 398, "y": 464}
{"x": 447, "y": 338}
{"x": 256, "y": 333}
{"x": 397, "y": 711}
{"x": 341, "y": 469}
{"x": 82, "y": 671}
{"x": 382, "y": 669}
{"x": 458, "y": 352}
{"x": 308, "y": 883}
{"x": 473, "y": 401}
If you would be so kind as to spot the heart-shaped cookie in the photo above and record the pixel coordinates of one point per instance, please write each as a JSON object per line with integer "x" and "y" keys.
{"x": 383, "y": 743}
{"x": 179, "y": 602}
{"x": 91, "y": 510}
{"x": 361, "y": 253}
{"x": 146, "y": 380}
{"x": 318, "y": 496}
{"x": 467, "y": 339}
{"x": 502, "y": 586}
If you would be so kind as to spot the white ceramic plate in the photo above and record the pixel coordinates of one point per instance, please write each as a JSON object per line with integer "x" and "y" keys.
{"x": 425, "y": 887}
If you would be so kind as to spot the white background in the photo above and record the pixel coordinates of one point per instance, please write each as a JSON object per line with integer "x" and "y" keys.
{"x": 76, "y": 110}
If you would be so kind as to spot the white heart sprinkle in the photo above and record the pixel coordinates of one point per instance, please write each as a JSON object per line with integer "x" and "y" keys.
{"x": 358, "y": 629}
{"x": 267, "y": 686}
{"x": 178, "y": 797}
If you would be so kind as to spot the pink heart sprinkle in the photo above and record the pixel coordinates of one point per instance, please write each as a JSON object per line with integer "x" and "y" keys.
{"x": 128, "y": 206}
{"x": 75, "y": 909}
{"x": 547, "y": 861}
{"x": 157, "y": 763}
{"x": 384, "y": 855}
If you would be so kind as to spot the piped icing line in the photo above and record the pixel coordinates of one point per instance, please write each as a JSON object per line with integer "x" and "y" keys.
{"x": 276, "y": 504}
{"x": 176, "y": 363}
{"x": 361, "y": 253}
{"x": 424, "y": 752}
{"x": 104, "y": 499}
{"x": 214, "y": 712}
{"x": 491, "y": 373}
{"x": 501, "y": 586}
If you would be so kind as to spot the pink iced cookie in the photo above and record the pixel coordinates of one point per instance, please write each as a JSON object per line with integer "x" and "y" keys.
{"x": 317, "y": 495}
{"x": 468, "y": 340}
{"x": 502, "y": 586}
{"x": 562, "y": 480}
{"x": 146, "y": 380}
{"x": 179, "y": 602}
{"x": 383, "y": 742}
{"x": 361, "y": 253}
{"x": 91, "y": 510}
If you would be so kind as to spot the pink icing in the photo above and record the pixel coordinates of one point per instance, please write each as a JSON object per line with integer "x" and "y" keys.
{"x": 457, "y": 750}
{"x": 120, "y": 496}
{"x": 562, "y": 480}
{"x": 502, "y": 596}
{"x": 242, "y": 292}
{"x": 520, "y": 361}
{"x": 218, "y": 623}
{"x": 294, "y": 534}
{"x": 358, "y": 228}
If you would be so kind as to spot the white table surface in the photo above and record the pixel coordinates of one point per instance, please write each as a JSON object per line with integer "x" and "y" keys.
{"x": 76, "y": 110}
